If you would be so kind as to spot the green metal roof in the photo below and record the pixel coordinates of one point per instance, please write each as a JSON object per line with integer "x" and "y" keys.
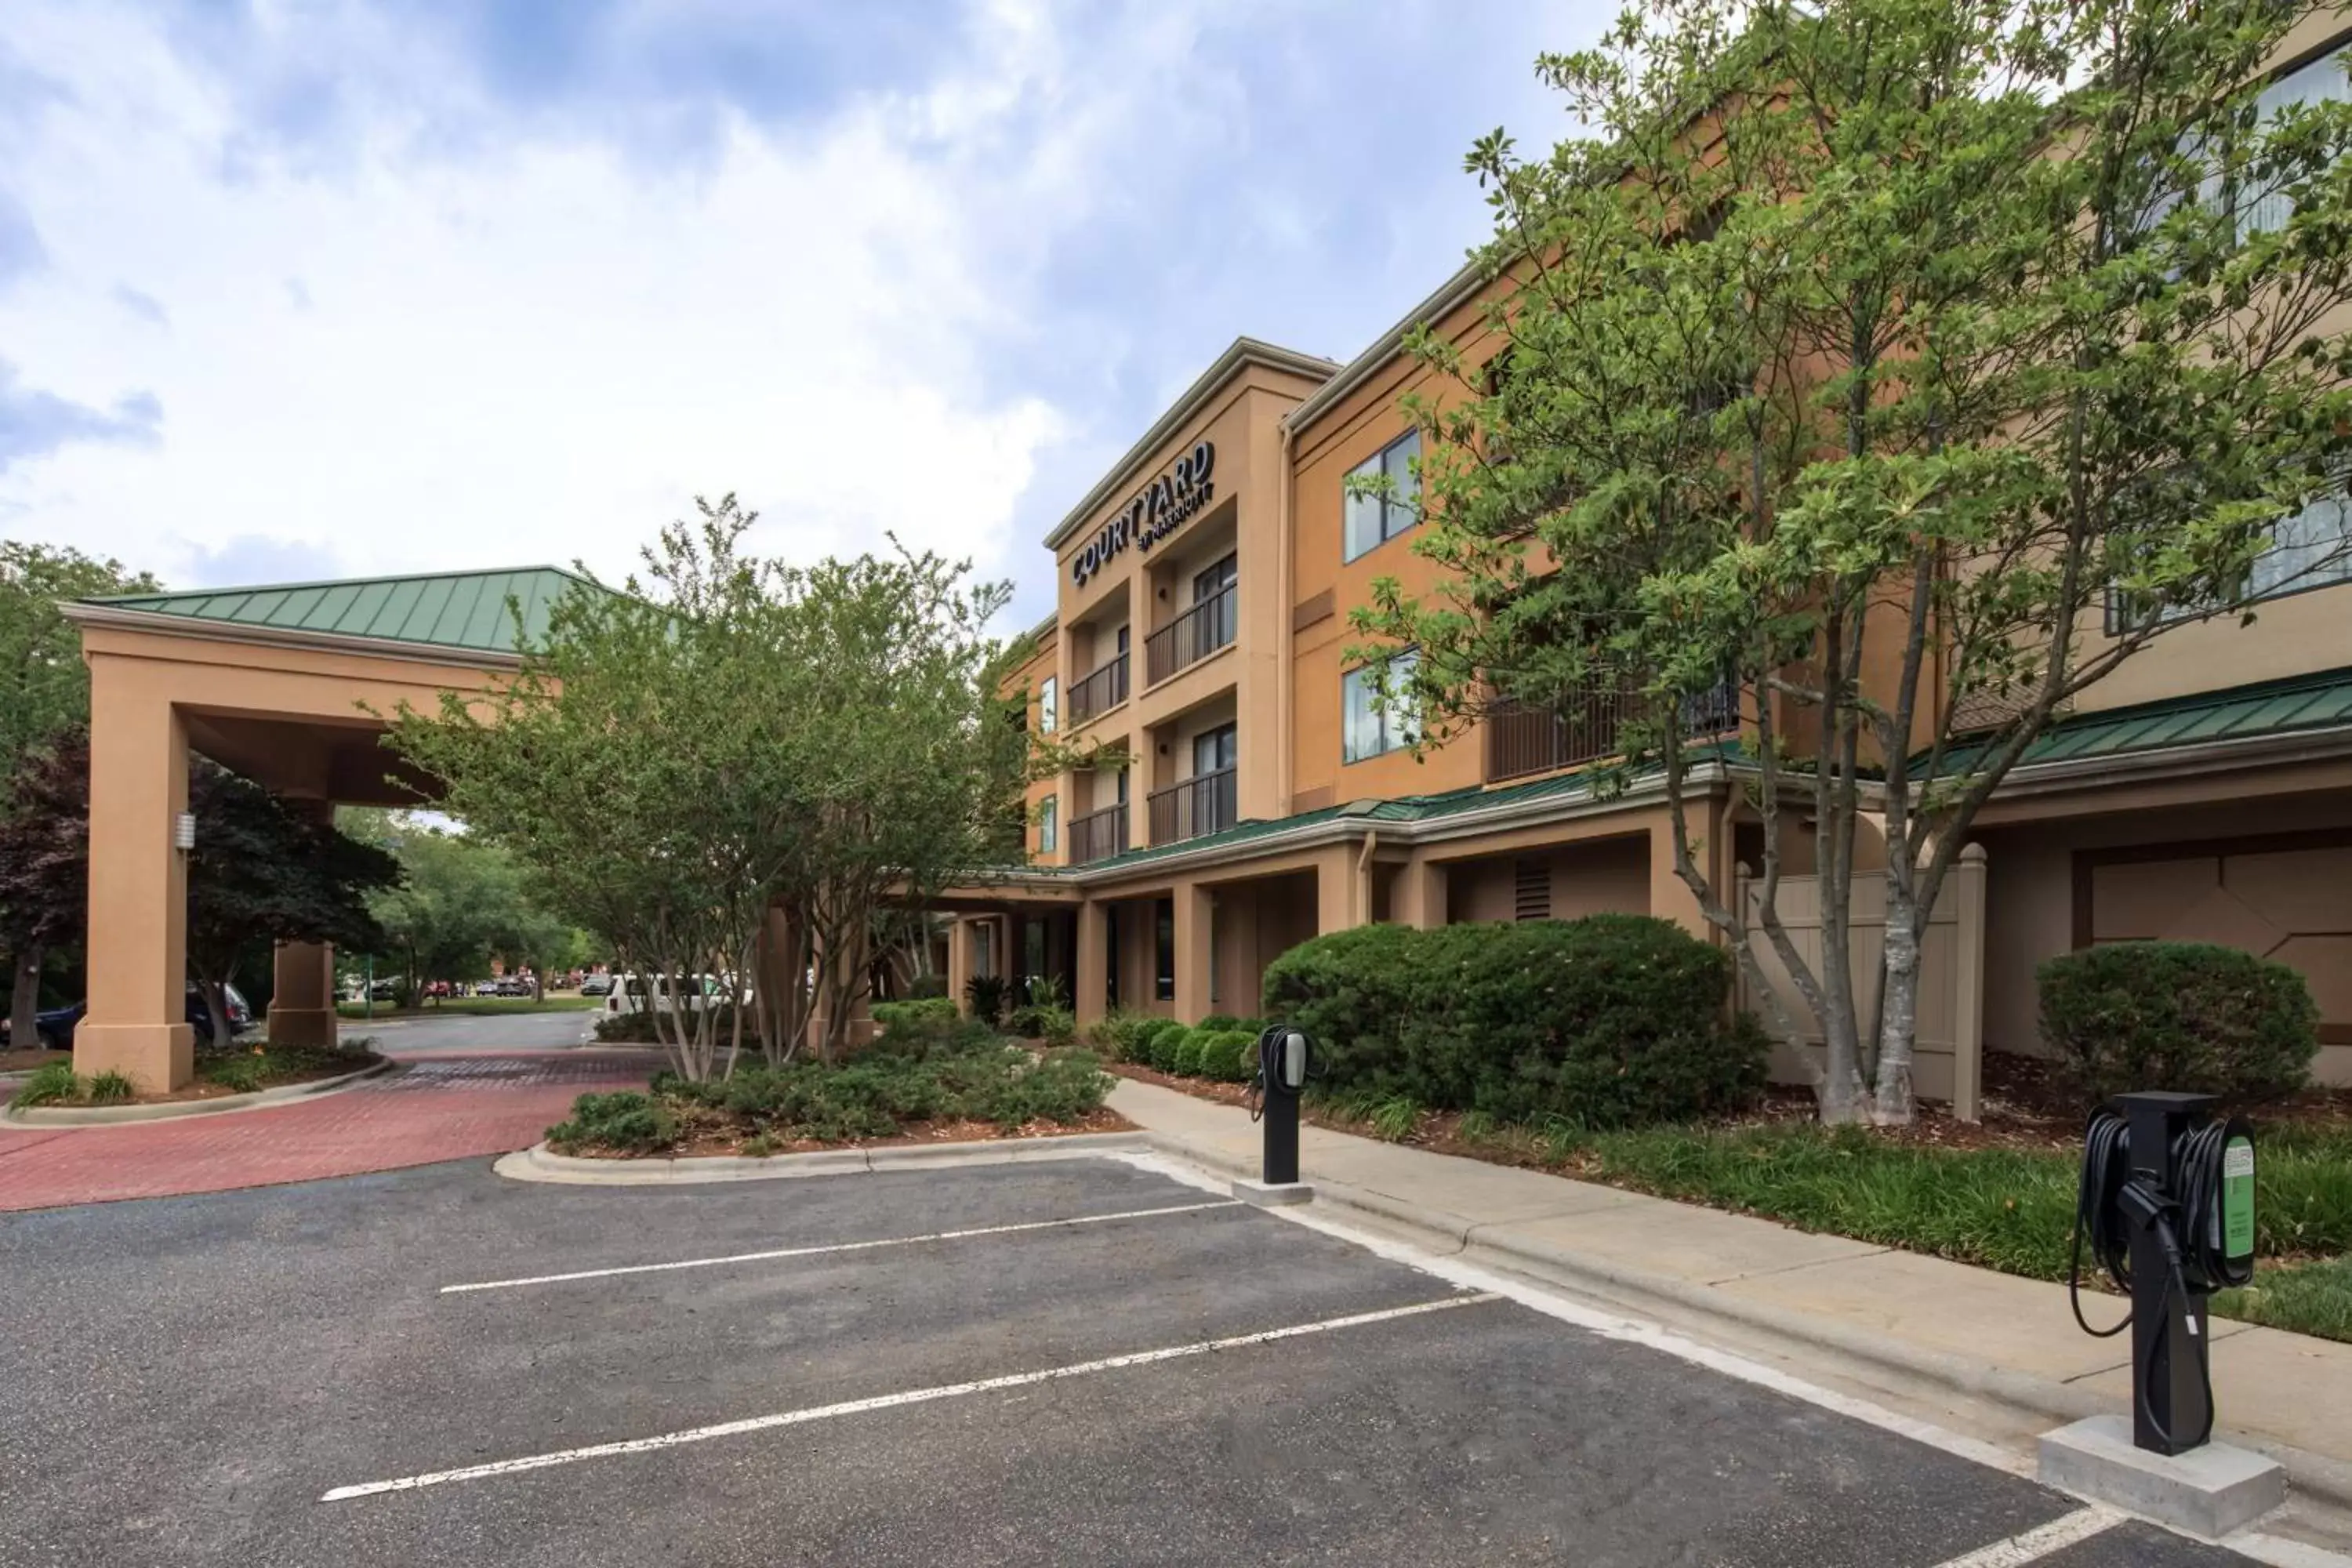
{"x": 2234, "y": 713}
{"x": 1577, "y": 784}
{"x": 448, "y": 609}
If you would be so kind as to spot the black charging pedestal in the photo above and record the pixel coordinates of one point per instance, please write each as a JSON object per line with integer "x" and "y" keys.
{"x": 2169, "y": 1320}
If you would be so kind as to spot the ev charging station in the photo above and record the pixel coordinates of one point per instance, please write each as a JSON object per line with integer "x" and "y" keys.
{"x": 1284, "y": 1057}
{"x": 2165, "y": 1210}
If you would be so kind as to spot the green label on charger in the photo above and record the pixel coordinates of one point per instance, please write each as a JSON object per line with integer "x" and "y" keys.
{"x": 2238, "y": 1198}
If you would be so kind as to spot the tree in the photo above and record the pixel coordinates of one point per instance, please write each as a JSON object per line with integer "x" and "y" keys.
{"x": 460, "y": 904}
{"x": 259, "y": 869}
{"x": 735, "y": 765}
{"x": 45, "y": 861}
{"x": 1901, "y": 369}
{"x": 44, "y": 696}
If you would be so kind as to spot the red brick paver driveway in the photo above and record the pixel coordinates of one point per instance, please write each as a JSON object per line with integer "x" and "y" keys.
{"x": 436, "y": 1107}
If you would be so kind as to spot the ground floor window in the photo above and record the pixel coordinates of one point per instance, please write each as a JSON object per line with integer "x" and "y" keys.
{"x": 1163, "y": 967}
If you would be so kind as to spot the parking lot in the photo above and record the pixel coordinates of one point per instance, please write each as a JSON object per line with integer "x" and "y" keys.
{"x": 1080, "y": 1361}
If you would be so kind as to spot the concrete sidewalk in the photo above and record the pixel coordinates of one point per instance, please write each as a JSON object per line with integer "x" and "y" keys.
{"x": 1896, "y": 1322}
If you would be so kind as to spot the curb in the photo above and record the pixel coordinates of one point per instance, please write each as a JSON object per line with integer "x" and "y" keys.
{"x": 537, "y": 1163}
{"x": 2318, "y": 1475}
{"x": 55, "y": 1116}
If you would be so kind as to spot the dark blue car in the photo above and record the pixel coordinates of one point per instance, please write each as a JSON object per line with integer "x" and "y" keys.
{"x": 55, "y": 1027}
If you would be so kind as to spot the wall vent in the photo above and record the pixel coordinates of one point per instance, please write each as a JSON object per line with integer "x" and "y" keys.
{"x": 1531, "y": 890}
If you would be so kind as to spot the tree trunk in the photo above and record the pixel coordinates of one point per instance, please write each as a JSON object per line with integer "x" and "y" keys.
{"x": 25, "y": 1004}
{"x": 216, "y": 996}
{"x": 1899, "y": 1013}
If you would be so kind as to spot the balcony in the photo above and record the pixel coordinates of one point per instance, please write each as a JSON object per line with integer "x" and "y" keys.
{"x": 1191, "y": 636}
{"x": 1100, "y": 692}
{"x": 1204, "y": 804}
{"x": 1524, "y": 740}
{"x": 1099, "y": 834}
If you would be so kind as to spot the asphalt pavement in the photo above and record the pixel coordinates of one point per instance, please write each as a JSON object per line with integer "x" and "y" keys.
{"x": 1077, "y": 1362}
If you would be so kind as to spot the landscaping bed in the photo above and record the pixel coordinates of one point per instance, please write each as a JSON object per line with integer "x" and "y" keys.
{"x": 935, "y": 1083}
{"x": 1998, "y": 1194}
{"x": 219, "y": 1075}
{"x": 475, "y": 1007}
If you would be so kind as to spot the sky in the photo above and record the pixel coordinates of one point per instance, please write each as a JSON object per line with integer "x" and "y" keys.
{"x": 304, "y": 289}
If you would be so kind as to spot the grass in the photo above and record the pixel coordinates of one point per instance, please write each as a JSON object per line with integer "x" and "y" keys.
{"x": 475, "y": 1008}
{"x": 2011, "y": 1209}
{"x": 54, "y": 1083}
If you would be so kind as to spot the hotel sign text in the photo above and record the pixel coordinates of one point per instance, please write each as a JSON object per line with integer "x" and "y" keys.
{"x": 1156, "y": 511}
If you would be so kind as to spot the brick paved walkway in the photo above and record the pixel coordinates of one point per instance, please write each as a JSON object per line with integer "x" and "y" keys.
{"x": 437, "y": 1108}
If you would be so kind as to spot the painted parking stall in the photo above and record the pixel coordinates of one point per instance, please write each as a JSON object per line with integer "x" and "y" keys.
{"x": 1088, "y": 1360}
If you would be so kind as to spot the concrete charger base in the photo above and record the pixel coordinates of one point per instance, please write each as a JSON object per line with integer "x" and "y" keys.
{"x": 1273, "y": 1194}
{"x": 2208, "y": 1492}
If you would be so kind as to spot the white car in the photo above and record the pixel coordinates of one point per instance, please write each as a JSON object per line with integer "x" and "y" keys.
{"x": 700, "y": 991}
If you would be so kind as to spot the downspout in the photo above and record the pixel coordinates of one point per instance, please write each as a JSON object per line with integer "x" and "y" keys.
{"x": 1362, "y": 912}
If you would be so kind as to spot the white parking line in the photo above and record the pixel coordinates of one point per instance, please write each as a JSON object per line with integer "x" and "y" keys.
{"x": 835, "y": 1246}
{"x": 892, "y": 1401}
{"x": 2032, "y": 1545}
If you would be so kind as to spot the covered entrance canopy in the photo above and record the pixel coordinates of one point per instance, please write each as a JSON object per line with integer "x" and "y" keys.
{"x": 282, "y": 684}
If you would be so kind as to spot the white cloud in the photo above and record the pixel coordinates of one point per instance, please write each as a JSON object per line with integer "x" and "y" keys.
{"x": 415, "y": 317}
{"x": 424, "y": 362}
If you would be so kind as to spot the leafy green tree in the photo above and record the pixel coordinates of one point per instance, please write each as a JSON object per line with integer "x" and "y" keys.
{"x": 45, "y": 861}
{"x": 736, "y": 765}
{"x": 44, "y": 695}
{"x": 1896, "y": 370}
{"x": 261, "y": 869}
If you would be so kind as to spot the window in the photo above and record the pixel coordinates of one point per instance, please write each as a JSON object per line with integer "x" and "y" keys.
{"x": 2237, "y": 192}
{"x": 1374, "y": 518}
{"x": 1049, "y": 705}
{"x": 1049, "y": 826}
{"x": 2311, "y": 548}
{"x": 2319, "y": 82}
{"x": 1213, "y": 750}
{"x": 1163, "y": 968}
{"x": 1369, "y": 726}
{"x": 1215, "y": 580}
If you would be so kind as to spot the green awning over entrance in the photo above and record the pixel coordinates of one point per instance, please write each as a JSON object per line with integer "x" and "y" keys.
{"x": 448, "y": 609}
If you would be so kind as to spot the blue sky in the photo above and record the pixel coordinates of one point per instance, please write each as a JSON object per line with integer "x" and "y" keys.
{"x": 328, "y": 287}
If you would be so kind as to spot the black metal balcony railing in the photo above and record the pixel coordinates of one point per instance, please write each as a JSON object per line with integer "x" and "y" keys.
{"x": 1098, "y": 834}
{"x": 1193, "y": 636}
{"x": 1204, "y": 804}
{"x": 1523, "y": 740}
{"x": 1100, "y": 692}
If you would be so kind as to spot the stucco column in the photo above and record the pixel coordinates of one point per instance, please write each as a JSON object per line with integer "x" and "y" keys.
{"x": 1670, "y": 897}
{"x": 959, "y": 958}
{"x": 1334, "y": 888}
{"x": 138, "y": 1022}
{"x": 1420, "y": 893}
{"x": 1194, "y": 927}
{"x": 1092, "y": 998}
{"x": 302, "y": 1007}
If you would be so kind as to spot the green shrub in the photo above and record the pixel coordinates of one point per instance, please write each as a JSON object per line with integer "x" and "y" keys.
{"x": 1064, "y": 1087}
{"x": 239, "y": 1073}
{"x": 1612, "y": 1020}
{"x": 52, "y": 1083}
{"x": 1161, "y": 1045}
{"x": 624, "y": 1120}
{"x": 1057, "y": 1026}
{"x": 925, "y": 986}
{"x": 2188, "y": 1016}
{"x": 923, "y": 1012}
{"x": 1230, "y": 1056}
{"x": 985, "y": 997}
{"x": 1119, "y": 1034}
{"x": 1186, "y": 1057}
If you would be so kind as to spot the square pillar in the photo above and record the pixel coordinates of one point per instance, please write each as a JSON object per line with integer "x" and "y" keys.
{"x": 1334, "y": 888}
{"x": 959, "y": 958}
{"x": 1420, "y": 893}
{"x": 302, "y": 1006}
{"x": 1195, "y": 923}
{"x": 1092, "y": 997}
{"x": 138, "y": 1020}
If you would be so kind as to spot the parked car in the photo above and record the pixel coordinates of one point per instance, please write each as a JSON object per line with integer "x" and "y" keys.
{"x": 597, "y": 986}
{"x": 55, "y": 1027}
{"x": 700, "y": 991}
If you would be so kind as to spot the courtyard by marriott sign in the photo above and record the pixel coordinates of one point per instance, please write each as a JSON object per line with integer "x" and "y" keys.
{"x": 1158, "y": 509}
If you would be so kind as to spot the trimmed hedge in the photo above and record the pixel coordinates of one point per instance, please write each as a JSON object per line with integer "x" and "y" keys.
{"x": 2188, "y": 1016}
{"x": 1609, "y": 1021}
